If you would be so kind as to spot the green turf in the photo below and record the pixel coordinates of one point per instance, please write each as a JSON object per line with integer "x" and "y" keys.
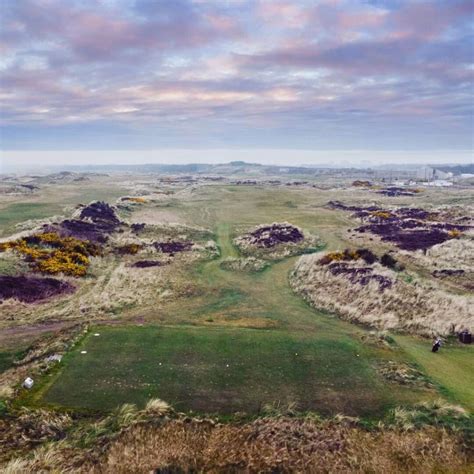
{"x": 452, "y": 367}
{"x": 220, "y": 370}
{"x": 22, "y": 211}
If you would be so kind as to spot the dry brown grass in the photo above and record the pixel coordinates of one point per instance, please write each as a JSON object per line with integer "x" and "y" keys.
{"x": 455, "y": 254}
{"x": 416, "y": 306}
{"x": 265, "y": 445}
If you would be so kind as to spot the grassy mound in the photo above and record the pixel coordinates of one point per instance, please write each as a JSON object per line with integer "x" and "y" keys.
{"x": 381, "y": 297}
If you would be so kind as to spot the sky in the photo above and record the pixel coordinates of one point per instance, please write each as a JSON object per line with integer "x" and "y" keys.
{"x": 274, "y": 81}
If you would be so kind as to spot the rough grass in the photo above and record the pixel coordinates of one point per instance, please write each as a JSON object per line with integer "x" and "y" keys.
{"x": 128, "y": 442}
{"x": 419, "y": 308}
{"x": 283, "y": 445}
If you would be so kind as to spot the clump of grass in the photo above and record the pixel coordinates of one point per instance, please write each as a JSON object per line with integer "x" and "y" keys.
{"x": 6, "y": 391}
{"x": 403, "y": 374}
{"x": 157, "y": 407}
{"x": 276, "y": 409}
{"x": 435, "y": 413}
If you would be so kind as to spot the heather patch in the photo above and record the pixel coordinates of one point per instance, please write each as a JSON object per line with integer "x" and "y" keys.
{"x": 100, "y": 212}
{"x": 148, "y": 263}
{"x": 268, "y": 236}
{"x": 360, "y": 275}
{"x": 447, "y": 272}
{"x": 419, "y": 239}
{"x": 394, "y": 191}
{"x": 137, "y": 227}
{"x": 94, "y": 223}
{"x": 338, "y": 264}
{"x": 172, "y": 247}
{"x": 29, "y": 289}
{"x": 409, "y": 229}
{"x": 275, "y": 241}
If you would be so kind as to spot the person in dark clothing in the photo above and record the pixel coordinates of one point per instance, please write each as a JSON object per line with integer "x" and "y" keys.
{"x": 436, "y": 345}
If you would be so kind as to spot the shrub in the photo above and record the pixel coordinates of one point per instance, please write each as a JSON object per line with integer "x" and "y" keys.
{"x": 388, "y": 261}
{"x": 367, "y": 255}
{"x": 454, "y": 233}
{"x": 138, "y": 200}
{"x": 50, "y": 253}
{"x": 349, "y": 255}
{"x": 129, "y": 249}
{"x": 381, "y": 214}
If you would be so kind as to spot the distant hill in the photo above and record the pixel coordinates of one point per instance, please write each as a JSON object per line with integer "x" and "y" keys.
{"x": 234, "y": 167}
{"x": 457, "y": 170}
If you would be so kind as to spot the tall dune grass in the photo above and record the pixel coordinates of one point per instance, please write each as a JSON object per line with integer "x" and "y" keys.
{"x": 415, "y": 307}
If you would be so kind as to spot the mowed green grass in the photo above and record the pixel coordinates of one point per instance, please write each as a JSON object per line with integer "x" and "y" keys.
{"x": 220, "y": 370}
{"x": 452, "y": 367}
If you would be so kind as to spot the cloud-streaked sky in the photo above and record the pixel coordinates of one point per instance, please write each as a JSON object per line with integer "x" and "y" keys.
{"x": 238, "y": 74}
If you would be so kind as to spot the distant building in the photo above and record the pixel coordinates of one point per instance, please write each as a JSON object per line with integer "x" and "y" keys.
{"x": 428, "y": 173}
{"x": 439, "y": 183}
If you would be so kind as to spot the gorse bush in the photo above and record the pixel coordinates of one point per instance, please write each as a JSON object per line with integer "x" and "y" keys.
{"x": 49, "y": 253}
{"x": 138, "y": 200}
{"x": 349, "y": 255}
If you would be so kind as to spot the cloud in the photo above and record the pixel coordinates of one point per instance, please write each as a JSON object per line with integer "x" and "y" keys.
{"x": 242, "y": 72}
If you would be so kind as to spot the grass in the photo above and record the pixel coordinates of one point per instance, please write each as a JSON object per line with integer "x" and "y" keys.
{"x": 46, "y": 204}
{"x": 211, "y": 324}
{"x": 220, "y": 370}
{"x": 6, "y": 360}
{"x": 451, "y": 367}
{"x": 23, "y": 211}
{"x": 8, "y": 357}
{"x": 333, "y": 371}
